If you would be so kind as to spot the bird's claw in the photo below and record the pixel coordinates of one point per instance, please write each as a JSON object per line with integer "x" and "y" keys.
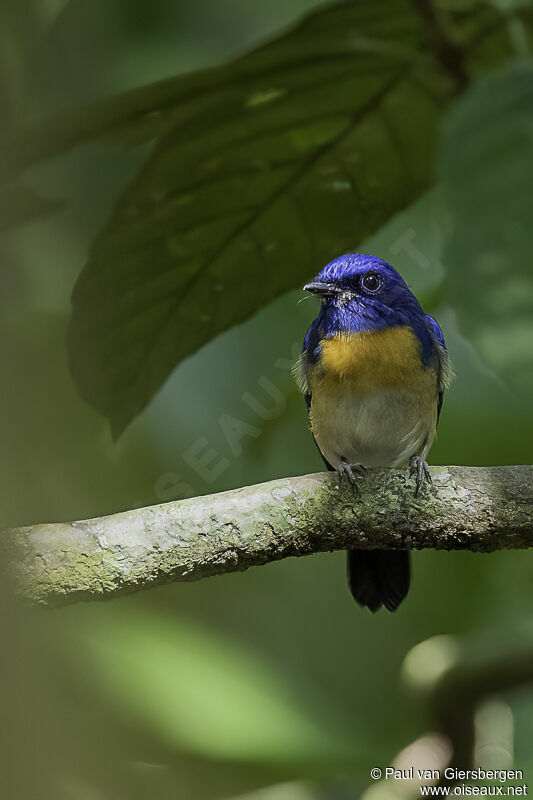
{"x": 420, "y": 469}
{"x": 350, "y": 471}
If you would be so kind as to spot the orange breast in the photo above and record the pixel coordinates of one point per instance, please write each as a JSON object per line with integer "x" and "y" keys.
{"x": 369, "y": 362}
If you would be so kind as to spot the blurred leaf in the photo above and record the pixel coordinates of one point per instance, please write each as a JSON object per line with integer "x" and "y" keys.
{"x": 306, "y": 146}
{"x": 487, "y": 171}
{"x": 147, "y": 112}
{"x": 150, "y": 111}
{"x": 207, "y": 695}
{"x": 20, "y": 204}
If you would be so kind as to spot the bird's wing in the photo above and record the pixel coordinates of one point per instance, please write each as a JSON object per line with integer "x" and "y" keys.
{"x": 445, "y": 374}
{"x": 309, "y": 356}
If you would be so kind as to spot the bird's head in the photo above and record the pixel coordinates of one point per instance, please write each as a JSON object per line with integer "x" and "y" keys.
{"x": 364, "y": 286}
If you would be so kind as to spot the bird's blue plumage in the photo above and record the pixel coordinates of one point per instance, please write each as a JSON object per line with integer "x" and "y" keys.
{"x": 394, "y": 305}
{"x": 373, "y": 371}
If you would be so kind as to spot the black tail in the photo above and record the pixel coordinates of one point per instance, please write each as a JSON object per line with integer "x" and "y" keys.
{"x": 379, "y": 577}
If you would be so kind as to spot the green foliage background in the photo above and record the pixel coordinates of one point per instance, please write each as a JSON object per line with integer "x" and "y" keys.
{"x": 271, "y": 678}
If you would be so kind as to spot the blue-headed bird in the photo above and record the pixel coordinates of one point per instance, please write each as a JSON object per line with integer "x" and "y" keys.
{"x": 373, "y": 370}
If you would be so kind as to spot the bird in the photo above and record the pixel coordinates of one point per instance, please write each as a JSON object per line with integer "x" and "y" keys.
{"x": 373, "y": 370}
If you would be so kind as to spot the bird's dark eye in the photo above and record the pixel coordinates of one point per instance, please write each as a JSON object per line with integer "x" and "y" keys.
{"x": 371, "y": 281}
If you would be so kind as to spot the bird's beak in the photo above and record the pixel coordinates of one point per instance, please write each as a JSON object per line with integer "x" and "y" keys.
{"x": 324, "y": 289}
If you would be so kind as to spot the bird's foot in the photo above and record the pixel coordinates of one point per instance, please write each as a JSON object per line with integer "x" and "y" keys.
{"x": 420, "y": 469}
{"x": 351, "y": 472}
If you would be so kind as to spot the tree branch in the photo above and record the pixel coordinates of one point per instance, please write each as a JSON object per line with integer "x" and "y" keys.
{"x": 470, "y": 508}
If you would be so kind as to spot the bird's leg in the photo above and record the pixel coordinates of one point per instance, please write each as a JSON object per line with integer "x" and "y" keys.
{"x": 420, "y": 469}
{"x": 349, "y": 471}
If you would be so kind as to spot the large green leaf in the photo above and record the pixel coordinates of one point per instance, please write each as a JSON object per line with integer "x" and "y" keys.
{"x": 487, "y": 173}
{"x": 295, "y": 153}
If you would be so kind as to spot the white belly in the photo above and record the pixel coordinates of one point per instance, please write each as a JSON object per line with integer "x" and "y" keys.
{"x": 384, "y": 428}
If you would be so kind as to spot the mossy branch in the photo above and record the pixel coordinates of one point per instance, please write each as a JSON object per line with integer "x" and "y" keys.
{"x": 470, "y": 508}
